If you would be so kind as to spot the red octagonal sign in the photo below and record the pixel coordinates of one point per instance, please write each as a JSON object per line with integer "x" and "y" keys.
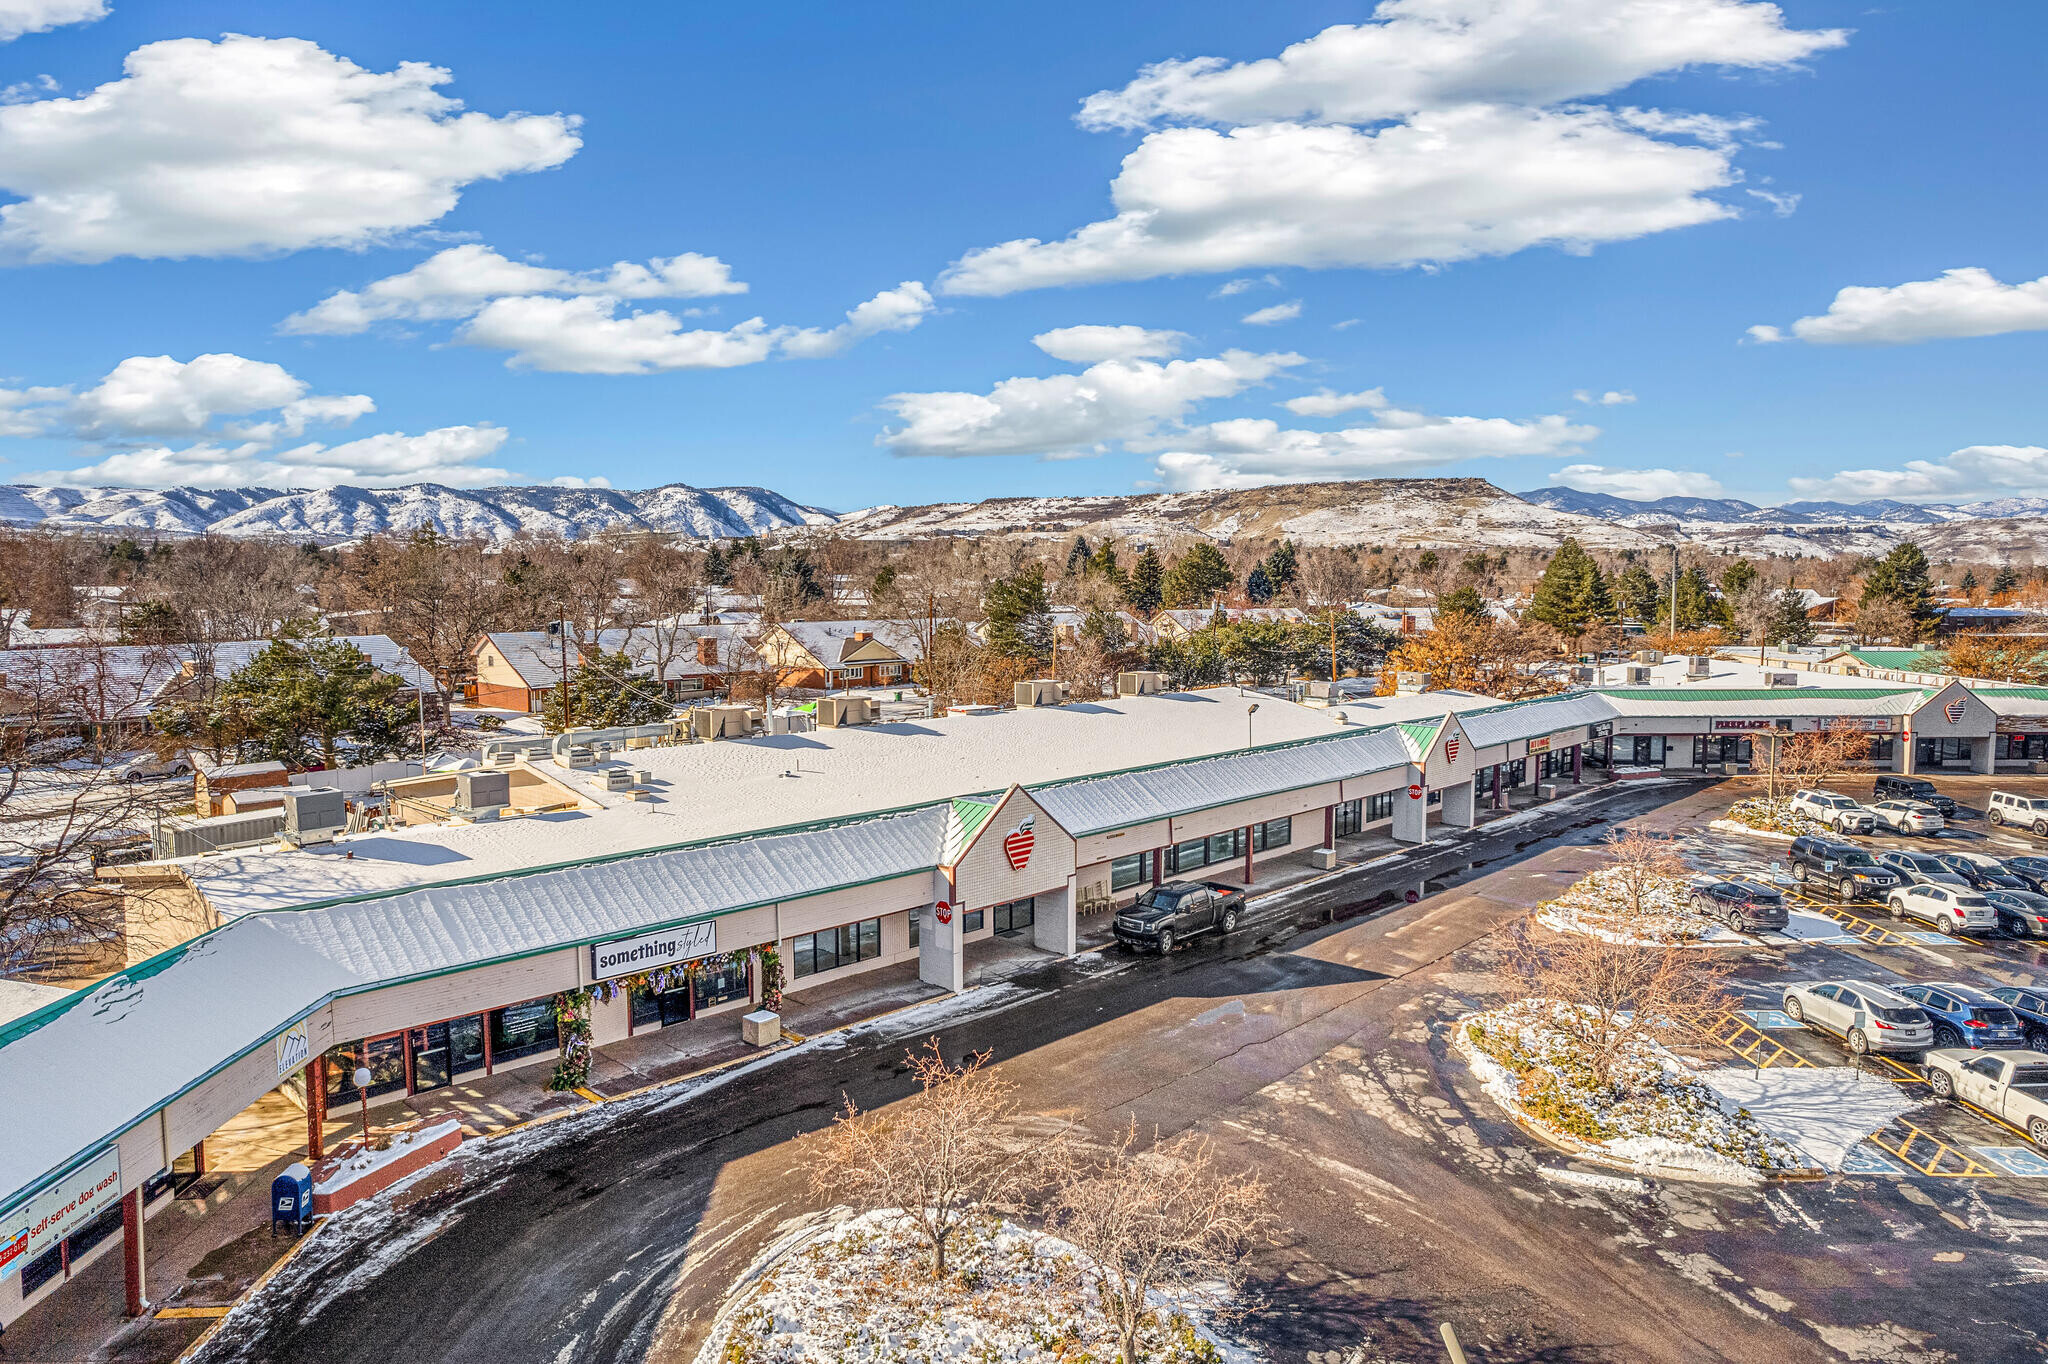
{"x": 1415, "y": 793}
{"x": 1017, "y": 845}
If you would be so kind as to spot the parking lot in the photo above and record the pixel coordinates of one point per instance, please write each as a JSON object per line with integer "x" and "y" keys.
{"x": 1829, "y": 939}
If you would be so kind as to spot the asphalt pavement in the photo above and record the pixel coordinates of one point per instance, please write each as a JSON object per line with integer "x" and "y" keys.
{"x": 1310, "y": 1046}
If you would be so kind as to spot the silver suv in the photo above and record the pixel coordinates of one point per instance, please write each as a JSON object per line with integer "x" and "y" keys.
{"x": 2030, "y": 812}
{"x": 1868, "y": 1017}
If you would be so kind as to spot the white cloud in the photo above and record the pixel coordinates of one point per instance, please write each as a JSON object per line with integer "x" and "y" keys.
{"x": 1641, "y": 485}
{"x": 1970, "y": 471}
{"x": 445, "y": 455}
{"x": 1325, "y": 403}
{"x": 458, "y": 282}
{"x": 1091, "y": 344}
{"x": 1963, "y": 302}
{"x": 1784, "y": 205}
{"x": 1613, "y": 397}
{"x": 40, "y": 16}
{"x": 1278, "y": 312}
{"x": 22, "y": 91}
{"x": 1063, "y": 414}
{"x": 250, "y": 145}
{"x": 1418, "y": 54}
{"x": 1237, "y": 286}
{"x": 893, "y": 310}
{"x": 588, "y": 334}
{"x": 158, "y": 396}
{"x": 1472, "y": 139}
{"x": 1252, "y": 452}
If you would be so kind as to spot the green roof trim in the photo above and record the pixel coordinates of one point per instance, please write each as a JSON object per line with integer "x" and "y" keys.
{"x": 1709, "y": 694}
{"x": 1901, "y": 660}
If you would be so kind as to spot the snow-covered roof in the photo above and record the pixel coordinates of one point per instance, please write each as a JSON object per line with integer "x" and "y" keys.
{"x": 536, "y": 655}
{"x": 18, "y": 997}
{"x": 125, "y": 681}
{"x": 829, "y": 641}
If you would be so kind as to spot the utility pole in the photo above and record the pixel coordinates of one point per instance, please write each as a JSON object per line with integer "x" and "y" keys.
{"x": 1674, "y": 587}
{"x": 1333, "y": 644}
{"x": 562, "y": 629}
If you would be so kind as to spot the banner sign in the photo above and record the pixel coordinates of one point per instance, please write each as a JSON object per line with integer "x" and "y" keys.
{"x": 59, "y": 1209}
{"x": 1604, "y": 729}
{"x": 651, "y": 951}
{"x": 294, "y": 1049}
{"x": 1541, "y": 745}
{"x": 1759, "y": 722}
{"x": 1875, "y": 724}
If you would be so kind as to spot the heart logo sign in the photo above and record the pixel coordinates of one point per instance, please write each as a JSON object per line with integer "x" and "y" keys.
{"x": 1451, "y": 749}
{"x": 1017, "y": 845}
{"x": 1955, "y": 712}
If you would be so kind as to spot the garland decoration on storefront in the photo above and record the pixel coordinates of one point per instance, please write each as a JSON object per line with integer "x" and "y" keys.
{"x": 662, "y": 979}
{"x": 572, "y": 1026}
{"x": 771, "y": 977}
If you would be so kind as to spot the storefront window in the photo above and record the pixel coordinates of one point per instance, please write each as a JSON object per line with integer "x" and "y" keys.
{"x": 523, "y": 1030}
{"x": 1188, "y": 856}
{"x": 1274, "y": 833}
{"x": 1014, "y": 917}
{"x": 1379, "y": 807}
{"x": 831, "y": 948}
{"x": 727, "y": 983}
{"x": 972, "y": 920}
{"x": 1126, "y": 872}
{"x": 385, "y": 1056}
{"x": 1224, "y": 846}
{"x": 1350, "y": 815}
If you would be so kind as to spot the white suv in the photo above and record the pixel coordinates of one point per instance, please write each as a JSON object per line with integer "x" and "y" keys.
{"x": 1841, "y": 813}
{"x": 2030, "y": 811}
{"x": 1906, "y": 816}
{"x": 1952, "y": 909}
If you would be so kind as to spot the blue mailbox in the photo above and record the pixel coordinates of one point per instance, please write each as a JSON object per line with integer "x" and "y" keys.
{"x": 291, "y": 1196}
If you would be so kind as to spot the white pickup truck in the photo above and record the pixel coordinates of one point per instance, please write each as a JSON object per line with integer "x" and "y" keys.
{"x": 1841, "y": 813}
{"x": 2011, "y": 1086}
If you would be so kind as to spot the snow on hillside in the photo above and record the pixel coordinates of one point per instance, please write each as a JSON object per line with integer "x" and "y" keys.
{"x": 333, "y": 515}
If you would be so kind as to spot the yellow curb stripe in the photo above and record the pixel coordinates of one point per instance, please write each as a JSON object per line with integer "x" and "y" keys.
{"x": 265, "y": 1277}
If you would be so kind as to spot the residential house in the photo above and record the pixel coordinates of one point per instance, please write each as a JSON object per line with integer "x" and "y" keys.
{"x": 515, "y": 669}
{"x": 1067, "y": 622}
{"x": 829, "y": 654}
{"x": 1176, "y": 625}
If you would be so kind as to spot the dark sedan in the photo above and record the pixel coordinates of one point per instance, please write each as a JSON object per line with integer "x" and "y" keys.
{"x": 1745, "y": 906}
{"x": 2022, "y": 913}
{"x": 2031, "y": 869}
{"x": 2032, "y": 1007}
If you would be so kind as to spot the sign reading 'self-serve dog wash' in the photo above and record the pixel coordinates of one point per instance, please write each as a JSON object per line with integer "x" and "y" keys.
{"x": 58, "y": 1209}
{"x": 652, "y": 951}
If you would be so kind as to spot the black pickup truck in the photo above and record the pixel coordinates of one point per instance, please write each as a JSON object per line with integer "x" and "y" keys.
{"x": 1164, "y": 915}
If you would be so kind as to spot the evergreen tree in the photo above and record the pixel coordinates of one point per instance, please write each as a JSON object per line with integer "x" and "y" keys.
{"x": 1969, "y": 582}
{"x": 1259, "y": 651}
{"x": 1145, "y": 587}
{"x": 1697, "y": 608}
{"x": 1736, "y": 577}
{"x": 1572, "y": 593}
{"x": 1427, "y": 561}
{"x": 301, "y": 696}
{"x": 1196, "y": 661}
{"x": 1258, "y": 586}
{"x": 1197, "y": 577}
{"x": 1790, "y": 626}
{"x": 1018, "y": 615}
{"x": 1901, "y": 579}
{"x": 1282, "y": 567}
{"x": 1637, "y": 594}
{"x": 1103, "y": 563}
{"x": 604, "y": 691}
{"x": 1105, "y": 629}
{"x": 1463, "y": 601}
{"x": 1361, "y": 645}
{"x": 717, "y": 571}
{"x": 1077, "y": 556}
{"x": 2005, "y": 580}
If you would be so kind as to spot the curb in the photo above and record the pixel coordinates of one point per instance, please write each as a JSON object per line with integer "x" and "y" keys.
{"x": 264, "y": 1278}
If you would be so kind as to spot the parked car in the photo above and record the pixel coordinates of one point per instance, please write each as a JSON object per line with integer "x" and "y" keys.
{"x": 1907, "y": 816}
{"x": 149, "y": 767}
{"x": 2022, "y": 913}
{"x": 1843, "y": 814}
{"x": 1745, "y": 906}
{"x": 2033, "y": 870}
{"x": 1965, "y": 1016}
{"x": 1914, "y": 788}
{"x": 1981, "y": 870}
{"x": 1868, "y": 1017}
{"x": 2029, "y": 812}
{"x": 2032, "y": 1007}
{"x": 1921, "y": 869}
{"x": 1848, "y": 872}
{"x": 1952, "y": 909}
{"x": 1166, "y": 914}
{"x": 2011, "y": 1086}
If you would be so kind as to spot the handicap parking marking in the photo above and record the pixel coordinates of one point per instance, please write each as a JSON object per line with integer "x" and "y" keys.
{"x": 2023, "y": 1161}
{"x": 1865, "y": 1159}
{"x": 1932, "y": 938}
{"x": 1771, "y": 1018}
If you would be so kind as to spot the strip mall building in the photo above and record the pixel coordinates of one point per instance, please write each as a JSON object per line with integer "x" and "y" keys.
{"x": 433, "y": 953}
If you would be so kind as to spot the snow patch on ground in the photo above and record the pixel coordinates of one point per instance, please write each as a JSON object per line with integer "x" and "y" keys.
{"x": 1596, "y": 906}
{"x": 1823, "y": 1110}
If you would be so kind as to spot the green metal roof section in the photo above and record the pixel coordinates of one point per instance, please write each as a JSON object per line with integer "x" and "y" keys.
{"x": 1420, "y": 735}
{"x": 963, "y": 822}
{"x": 1710, "y": 694}
{"x": 1901, "y": 660}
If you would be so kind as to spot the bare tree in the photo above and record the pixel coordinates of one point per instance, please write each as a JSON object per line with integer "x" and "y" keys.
{"x": 1610, "y": 998}
{"x": 943, "y": 1156}
{"x": 1166, "y": 1219}
{"x": 1812, "y": 757}
{"x": 1640, "y": 862}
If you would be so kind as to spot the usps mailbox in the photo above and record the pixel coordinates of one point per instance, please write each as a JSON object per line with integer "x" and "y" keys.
{"x": 291, "y": 1196}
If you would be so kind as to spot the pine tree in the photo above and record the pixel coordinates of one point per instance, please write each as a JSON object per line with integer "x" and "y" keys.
{"x": 301, "y": 696}
{"x": 605, "y": 691}
{"x": 1258, "y": 586}
{"x": 1197, "y": 577}
{"x": 1077, "y": 556}
{"x": 1019, "y": 615}
{"x": 1637, "y": 594}
{"x": 1428, "y": 561}
{"x": 1102, "y": 563}
{"x": 1463, "y": 601}
{"x": 1572, "y": 593}
{"x": 1697, "y": 608}
{"x": 1901, "y": 578}
{"x": 1144, "y": 589}
{"x": 1969, "y": 582}
{"x": 1790, "y": 627}
{"x": 1281, "y": 566}
{"x": 1736, "y": 577}
{"x": 717, "y": 571}
{"x": 2005, "y": 580}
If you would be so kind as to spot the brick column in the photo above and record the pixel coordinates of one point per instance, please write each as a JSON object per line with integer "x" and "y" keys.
{"x": 131, "y": 1251}
{"x": 199, "y": 1158}
{"x": 1247, "y": 854}
{"x": 316, "y": 1110}
{"x": 1578, "y": 762}
{"x": 1329, "y": 826}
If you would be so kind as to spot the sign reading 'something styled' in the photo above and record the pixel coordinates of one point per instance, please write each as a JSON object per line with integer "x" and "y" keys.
{"x": 58, "y": 1209}
{"x": 652, "y": 951}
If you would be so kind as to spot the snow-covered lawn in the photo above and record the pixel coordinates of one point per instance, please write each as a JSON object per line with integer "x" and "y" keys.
{"x": 1770, "y": 818}
{"x": 1823, "y": 1110}
{"x": 860, "y": 1292}
{"x": 1657, "y": 1114}
{"x": 1596, "y": 906}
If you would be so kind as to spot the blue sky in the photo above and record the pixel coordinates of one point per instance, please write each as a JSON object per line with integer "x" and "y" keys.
{"x": 1490, "y": 213}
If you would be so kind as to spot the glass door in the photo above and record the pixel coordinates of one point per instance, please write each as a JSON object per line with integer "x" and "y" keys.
{"x": 465, "y": 1044}
{"x": 430, "y": 1061}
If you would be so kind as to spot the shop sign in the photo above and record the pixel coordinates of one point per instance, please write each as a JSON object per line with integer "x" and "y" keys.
{"x": 1451, "y": 749}
{"x": 59, "y": 1209}
{"x": 1018, "y": 843}
{"x": 1541, "y": 745}
{"x": 294, "y": 1049}
{"x": 1954, "y": 710}
{"x": 1603, "y": 730}
{"x": 1874, "y": 724}
{"x": 1759, "y": 722}
{"x": 651, "y": 951}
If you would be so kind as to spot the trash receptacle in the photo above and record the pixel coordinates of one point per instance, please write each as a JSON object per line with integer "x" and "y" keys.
{"x": 291, "y": 1196}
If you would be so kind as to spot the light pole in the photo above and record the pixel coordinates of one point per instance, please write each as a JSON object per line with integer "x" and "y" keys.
{"x": 1249, "y": 712}
{"x": 362, "y": 1078}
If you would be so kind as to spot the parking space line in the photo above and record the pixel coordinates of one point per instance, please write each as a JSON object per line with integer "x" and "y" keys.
{"x": 1862, "y": 928}
{"x": 1864, "y": 1159}
{"x": 1753, "y": 1044}
{"x": 2024, "y": 1162}
{"x": 1897, "y": 1072}
{"x": 1929, "y": 1155}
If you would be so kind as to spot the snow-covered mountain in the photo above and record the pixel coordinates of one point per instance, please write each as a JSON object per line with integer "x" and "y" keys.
{"x": 333, "y": 515}
{"x": 1722, "y": 510}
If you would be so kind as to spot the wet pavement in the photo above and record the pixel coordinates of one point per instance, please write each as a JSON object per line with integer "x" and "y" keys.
{"x": 1311, "y": 1047}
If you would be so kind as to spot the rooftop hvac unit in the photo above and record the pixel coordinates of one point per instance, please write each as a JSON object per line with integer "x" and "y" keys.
{"x": 1139, "y": 684}
{"x": 618, "y": 779}
{"x": 836, "y": 711}
{"x": 1041, "y": 691}
{"x": 1649, "y": 656}
{"x": 482, "y": 790}
{"x": 1410, "y": 684}
{"x": 314, "y": 814}
{"x": 1781, "y": 679}
{"x": 1585, "y": 677}
{"x": 1699, "y": 665}
{"x": 1638, "y": 675}
{"x": 194, "y": 837}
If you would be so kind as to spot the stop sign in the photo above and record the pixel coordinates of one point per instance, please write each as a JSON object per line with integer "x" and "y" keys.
{"x": 943, "y": 911}
{"x": 1415, "y": 793}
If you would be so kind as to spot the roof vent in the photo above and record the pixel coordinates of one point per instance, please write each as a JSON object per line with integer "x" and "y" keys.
{"x": 313, "y": 814}
{"x": 1638, "y": 675}
{"x": 1410, "y": 684}
{"x": 1781, "y": 679}
{"x": 1699, "y": 665}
